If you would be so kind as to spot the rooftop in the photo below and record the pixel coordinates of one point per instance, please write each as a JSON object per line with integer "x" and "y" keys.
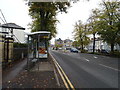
{"x": 12, "y": 25}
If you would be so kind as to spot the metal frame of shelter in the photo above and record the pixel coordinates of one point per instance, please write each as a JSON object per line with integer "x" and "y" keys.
{"x": 34, "y": 41}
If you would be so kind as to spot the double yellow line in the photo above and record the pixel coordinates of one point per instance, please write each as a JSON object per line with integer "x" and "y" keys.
{"x": 64, "y": 77}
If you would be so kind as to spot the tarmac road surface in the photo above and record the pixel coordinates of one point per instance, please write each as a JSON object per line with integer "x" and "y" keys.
{"x": 89, "y": 70}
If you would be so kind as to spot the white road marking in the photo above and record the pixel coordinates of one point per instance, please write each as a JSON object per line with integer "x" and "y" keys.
{"x": 87, "y": 60}
{"x": 109, "y": 67}
{"x": 95, "y": 57}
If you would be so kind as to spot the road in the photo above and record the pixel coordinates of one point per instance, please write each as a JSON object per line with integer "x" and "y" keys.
{"x": 89, "y": 70}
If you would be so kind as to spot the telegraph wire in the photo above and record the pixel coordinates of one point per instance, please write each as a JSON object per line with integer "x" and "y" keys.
{"x": 3, "y": 16}
{"x": 5, "y": 22}
{"x": 2, "y": 20}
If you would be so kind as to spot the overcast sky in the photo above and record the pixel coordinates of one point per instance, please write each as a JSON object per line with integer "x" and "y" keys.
{"x": 16, "y": 11}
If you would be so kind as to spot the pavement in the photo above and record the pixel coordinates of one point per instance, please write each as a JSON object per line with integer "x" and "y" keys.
{"x": 0, "y": 76}
{"x": 44, "y": 79}
{"x": 10, "y": 73}
{"x": 89, "y": 70}
{"x": 43, "y": 75}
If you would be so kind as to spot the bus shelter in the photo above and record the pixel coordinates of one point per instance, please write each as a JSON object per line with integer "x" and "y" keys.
{"x": 37, "y": 47}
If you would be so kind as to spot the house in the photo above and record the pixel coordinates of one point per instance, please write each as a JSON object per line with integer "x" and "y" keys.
{"x": 19, "y": 36}
{"x": 58, "y": 42}
{"x": 100, "y": 45}
{"x": 67, "y": 43}
{"x": 14, "y": 31}
{"x": 9, "y": 33}
{"x": 64, "y": 44}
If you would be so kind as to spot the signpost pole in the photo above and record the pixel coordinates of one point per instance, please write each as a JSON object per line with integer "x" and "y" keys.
{"x": 38, "y": 49}
{"x": 28, "y": 55}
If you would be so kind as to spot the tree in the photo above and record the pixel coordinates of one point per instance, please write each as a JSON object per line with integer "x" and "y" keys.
{"x": 75, "y": 44}
{"x": 80, "y": 34}
{"x": 118, "y": 37}
{"x": 93, "y": 25}
{"x": 109, "y": 22}
{"x": 44, "y": 15}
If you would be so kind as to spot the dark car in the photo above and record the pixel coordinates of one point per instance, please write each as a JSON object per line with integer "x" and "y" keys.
{"x": 74, "y": 50}
{"x": 104, "y": 51}
{"x": 68, "y": 48}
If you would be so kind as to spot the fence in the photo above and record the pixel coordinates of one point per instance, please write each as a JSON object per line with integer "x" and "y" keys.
{"x": 19, "y": 53}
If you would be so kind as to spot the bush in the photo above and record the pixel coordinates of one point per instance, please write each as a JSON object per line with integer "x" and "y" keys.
{"x": 19, "y": 51}
{"x": 116, "y": 53}
{"x": 84, "y": 51}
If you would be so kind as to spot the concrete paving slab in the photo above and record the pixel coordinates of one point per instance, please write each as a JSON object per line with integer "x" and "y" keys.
{"x": 42, "y": 66}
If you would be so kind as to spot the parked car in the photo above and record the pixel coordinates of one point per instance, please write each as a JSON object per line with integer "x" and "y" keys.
{"x": 60, "y": 48}
{"x": 105, "y": 51}
{"x": 74, "y": 50}
{"x": 68, "y": 48}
